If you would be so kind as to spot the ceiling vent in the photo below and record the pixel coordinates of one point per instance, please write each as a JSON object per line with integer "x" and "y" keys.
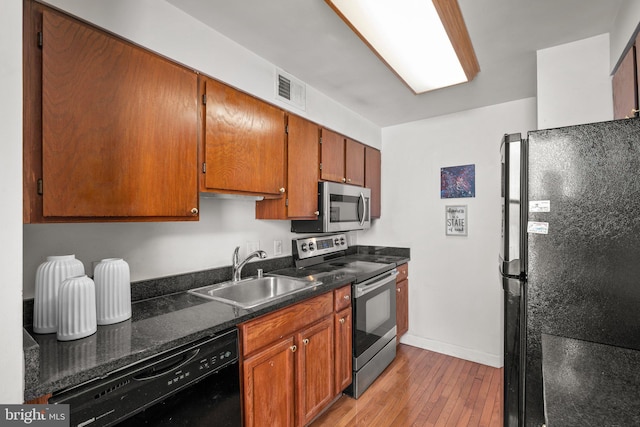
{"x": 291, "y": 90}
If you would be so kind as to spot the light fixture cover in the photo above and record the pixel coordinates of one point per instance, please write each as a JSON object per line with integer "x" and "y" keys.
{"x": 424, "y": 42}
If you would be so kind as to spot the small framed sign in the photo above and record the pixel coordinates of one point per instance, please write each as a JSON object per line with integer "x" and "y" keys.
{"x": 456, "y": 220}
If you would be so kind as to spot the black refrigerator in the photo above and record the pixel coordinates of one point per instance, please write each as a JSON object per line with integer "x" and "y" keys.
{"x": 570, "y": 252}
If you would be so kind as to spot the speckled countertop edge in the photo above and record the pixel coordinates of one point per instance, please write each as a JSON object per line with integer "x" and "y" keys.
{"x": 164, "y": 317}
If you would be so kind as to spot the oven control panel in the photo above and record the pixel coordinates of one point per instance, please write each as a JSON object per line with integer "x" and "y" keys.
{"x": 320, "y": 245}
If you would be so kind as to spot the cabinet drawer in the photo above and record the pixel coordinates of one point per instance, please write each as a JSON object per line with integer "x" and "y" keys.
{"x": 342, "y": 298}
{"x": 264, "y": 330}
{"x": 403, "y": 272}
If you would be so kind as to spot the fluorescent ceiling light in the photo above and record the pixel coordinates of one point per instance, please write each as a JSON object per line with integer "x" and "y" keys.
{"x": 424, "y": 42}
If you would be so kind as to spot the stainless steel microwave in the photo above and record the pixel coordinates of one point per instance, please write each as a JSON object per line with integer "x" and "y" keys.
{"x": 341, "y": 207}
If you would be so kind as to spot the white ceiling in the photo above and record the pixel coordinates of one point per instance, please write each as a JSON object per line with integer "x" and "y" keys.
{"x": 307, "y": 40}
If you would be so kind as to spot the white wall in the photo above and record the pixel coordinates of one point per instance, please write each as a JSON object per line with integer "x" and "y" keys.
{"x": 455, "y": 295}
{"x": 11, "y": 358}
{"x": 158, "y": 249}
{"x": 161, "y": 249}
{"x": 574, "y": 83}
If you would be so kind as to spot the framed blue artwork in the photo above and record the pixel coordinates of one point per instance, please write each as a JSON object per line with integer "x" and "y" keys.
{"x": 458, "y": 182}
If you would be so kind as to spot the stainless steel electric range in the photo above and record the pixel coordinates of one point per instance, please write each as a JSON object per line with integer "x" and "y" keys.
{"x": 373, "y": 301}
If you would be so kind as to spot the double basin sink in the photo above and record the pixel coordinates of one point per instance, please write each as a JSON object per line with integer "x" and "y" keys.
{"x": 254, "y": 291}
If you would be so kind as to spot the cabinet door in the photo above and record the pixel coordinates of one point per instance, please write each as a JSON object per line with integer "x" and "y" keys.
{"x": 244, "y": 142}
{"x": 343, "y": 350}
{"x": 354, "y": 163}
{"x": 315, "y": 382}
{"x": 119, "y": 127}
{"x": 332, "y": 156}
{"x": 372, "y": 178}
{"x": 268, "y": 384}
{"x": 402, "y": 308}
{"x": 625, "y": 87}
{"x": 303, "y": 154}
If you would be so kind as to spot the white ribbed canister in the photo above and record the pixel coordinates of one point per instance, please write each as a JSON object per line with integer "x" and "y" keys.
{"x": 76, "y": 308}
{"x": 113, "y": 291}
{"x": 49, "y": 275}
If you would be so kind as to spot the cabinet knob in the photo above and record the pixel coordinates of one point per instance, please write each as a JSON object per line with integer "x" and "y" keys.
{"x": 194, "y": 211}
{"x": 398, "y": 289}
{"x": 341, "y": 320}
{"x": 344, "y": 179}
{"x": 349, "y": 180}
{"x": 346, "y": 297}
{"x": 281, "y": 189}
{"x": 293, "y": 348}
{"x": 305, "y": 341}
{"x": 316, "y": 213}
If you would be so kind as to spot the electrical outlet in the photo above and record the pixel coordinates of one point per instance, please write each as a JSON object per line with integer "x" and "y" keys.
{"x": 252, "y": 246}
{"x": 277, "y": 247}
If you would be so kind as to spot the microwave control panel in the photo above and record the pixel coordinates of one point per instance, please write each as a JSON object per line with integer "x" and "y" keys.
{"x": 321, "y": 245}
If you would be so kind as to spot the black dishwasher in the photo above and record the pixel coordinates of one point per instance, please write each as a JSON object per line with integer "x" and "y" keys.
{"x": 197, "y": 384}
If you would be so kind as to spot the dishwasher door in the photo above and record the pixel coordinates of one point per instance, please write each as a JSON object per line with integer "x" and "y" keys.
{"x": 214, "y": 401}
{"x": 197, "y": 384}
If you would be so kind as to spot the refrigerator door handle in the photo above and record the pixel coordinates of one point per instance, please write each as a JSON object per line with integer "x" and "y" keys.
{"x": 512, "y": 285}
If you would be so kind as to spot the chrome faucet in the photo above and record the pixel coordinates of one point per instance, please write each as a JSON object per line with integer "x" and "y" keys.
{"x": 237, "y": 265}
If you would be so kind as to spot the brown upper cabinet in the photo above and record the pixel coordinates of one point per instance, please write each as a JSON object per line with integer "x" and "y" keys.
{"x": 110, "y": 129}
{"x": 626, "y": 90}
{"x": 624, "y": 82}
{"x": 372, "y": 178}
{"x": 354, "y": 162}
{"x": 301, "y": 196}
{"x": 242, "y": 142}
{"x": 342, "y": 159}
{"x": 332, "y": 156}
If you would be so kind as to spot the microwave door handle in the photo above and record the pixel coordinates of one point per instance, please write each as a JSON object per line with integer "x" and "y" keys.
{"x": 364, "y": 209}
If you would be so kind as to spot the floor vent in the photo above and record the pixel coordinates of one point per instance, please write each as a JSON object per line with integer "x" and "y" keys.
{"x": 290, "y": 90}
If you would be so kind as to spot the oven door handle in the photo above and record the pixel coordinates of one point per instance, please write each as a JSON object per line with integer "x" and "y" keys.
{"x": 373, "y": 284}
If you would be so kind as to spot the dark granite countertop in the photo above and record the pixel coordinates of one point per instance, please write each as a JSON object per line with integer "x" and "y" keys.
{"x": 164, "y": 316}
{"x": 589, "y": 384}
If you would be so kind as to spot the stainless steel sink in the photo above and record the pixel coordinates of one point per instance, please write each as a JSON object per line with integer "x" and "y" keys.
{"x": 254, "y": 291}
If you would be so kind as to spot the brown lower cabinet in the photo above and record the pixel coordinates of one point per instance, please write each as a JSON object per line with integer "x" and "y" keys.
{"x": 343, "y": 356}
{"x": 402, "y": 301}
{"x": 293, "y": 360}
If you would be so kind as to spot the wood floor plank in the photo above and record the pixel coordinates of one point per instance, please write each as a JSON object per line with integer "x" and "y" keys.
{"x": 424, "y": 388}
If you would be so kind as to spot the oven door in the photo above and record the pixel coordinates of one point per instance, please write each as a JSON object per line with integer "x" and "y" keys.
{"x": 374, "y": 313}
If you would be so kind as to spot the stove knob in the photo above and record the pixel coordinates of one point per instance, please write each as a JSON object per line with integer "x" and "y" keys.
{"x": 311, "y": 246}
{"x": 303, "y": 247}
{"x": 337, "y": 241}
{"x": 343, "y": 241}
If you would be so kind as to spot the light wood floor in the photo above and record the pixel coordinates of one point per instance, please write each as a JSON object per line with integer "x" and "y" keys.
{"x": 423, "y": 388}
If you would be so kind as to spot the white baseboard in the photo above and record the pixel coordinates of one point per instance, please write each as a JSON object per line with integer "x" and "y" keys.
{"x": 453, "y": 350}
